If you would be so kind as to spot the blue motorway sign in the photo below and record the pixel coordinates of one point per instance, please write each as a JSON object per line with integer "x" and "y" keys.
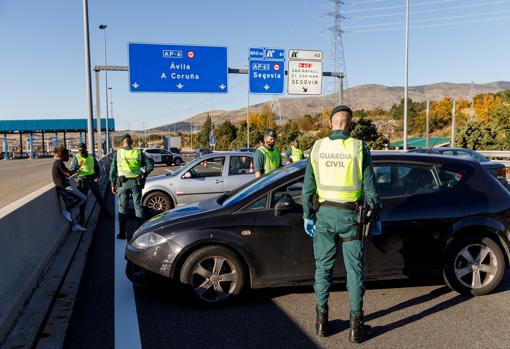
{"x": 212, "y": 140}
{"x": 267, "y": 70}
{"x": 177, "y": 68}
{"x": 266, "y": 76}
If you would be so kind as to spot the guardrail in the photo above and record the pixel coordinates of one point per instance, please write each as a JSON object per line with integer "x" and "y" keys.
{"x": 31, "y": 231}
{"x": 497, "y": 155}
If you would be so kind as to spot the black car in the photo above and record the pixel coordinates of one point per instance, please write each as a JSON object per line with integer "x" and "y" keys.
{"x": 440, "y": 215}
{"x": 497, "y": 169}
{"x": 202, "y": 151}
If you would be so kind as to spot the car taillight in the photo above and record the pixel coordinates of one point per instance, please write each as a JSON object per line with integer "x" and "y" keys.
{"x": 501, "y": 172}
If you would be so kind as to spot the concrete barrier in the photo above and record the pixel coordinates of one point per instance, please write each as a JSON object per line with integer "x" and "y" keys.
{"x": 31, "y": 230}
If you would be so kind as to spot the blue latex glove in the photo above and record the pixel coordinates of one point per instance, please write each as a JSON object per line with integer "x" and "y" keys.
{"x": 377, "y": 228}
{"x": 310, "y": 227}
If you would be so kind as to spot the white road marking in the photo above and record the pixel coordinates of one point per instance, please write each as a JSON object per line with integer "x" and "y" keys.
{"x": 127, "y": 331}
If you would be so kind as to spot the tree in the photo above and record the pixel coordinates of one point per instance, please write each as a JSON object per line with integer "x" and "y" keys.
{"x": 500, "y": 117}
{"x": 475, "y": 134}
{"x": 287, "y": 134}
{"x": 306, "y": 123}
{"x": 226, "y": 134}
{"x": 205, "y": 132}
{"x": 365, "y": 130}
{"x": 484, "y": 103}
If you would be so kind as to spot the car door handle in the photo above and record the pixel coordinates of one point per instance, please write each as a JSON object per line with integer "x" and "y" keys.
{"x": 218, "y": 181}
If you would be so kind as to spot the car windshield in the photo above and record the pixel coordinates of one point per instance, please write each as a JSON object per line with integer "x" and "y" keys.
{"x": 187, "y": 167}
{"x": 258, "y": 184}
{"x": 477, "y": 156}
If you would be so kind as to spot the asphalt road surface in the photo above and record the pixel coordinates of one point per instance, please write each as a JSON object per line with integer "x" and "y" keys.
{"x": 110, "y": 312}
{"x": 21, "y": 177}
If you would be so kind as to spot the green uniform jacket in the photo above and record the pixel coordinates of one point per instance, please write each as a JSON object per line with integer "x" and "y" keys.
{"x": 369, "y": 182}
{"x": 75, "y": 165}
{"x": 258, "y": 160}
{"x": 146, "y": 162}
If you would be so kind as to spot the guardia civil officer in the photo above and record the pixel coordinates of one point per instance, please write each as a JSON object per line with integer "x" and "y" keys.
{"x": 127, "y": 179}
{"x": 294, "y": 153}
{"x": 267, "y": 157}
{"x": 88, "y": 175}
{"x": 339, "y": 172}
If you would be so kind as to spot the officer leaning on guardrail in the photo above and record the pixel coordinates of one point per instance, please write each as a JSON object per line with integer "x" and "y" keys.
{"x": 127, "y": 179}
{"x": 88, "y": 176}
{"x": 267, "y": 158}
{"x": 72, "y": 197}
{"x": 294, "y": 153}
{"x": 338, "y": 174}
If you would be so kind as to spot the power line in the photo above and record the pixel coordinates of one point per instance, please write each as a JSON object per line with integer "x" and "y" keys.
{"x": 397, "y": 6}
{"x": 426, "y": 20}
{"x": 434, "y": 9}
{"x": 432, "y": 25}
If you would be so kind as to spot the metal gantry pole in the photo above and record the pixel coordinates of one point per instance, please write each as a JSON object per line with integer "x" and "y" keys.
{"x": 406, "y": 73}
{"x": 98, "y": 112}
{"x": 107, "y": 133}
{"x": 453, "y": 122}
{"x": 427, "y": 124}
{"x": 88, "y": 83}
{"x": 248, "y": 118}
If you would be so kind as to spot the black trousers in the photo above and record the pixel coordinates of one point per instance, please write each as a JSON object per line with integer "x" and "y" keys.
{"x": 84, "y": 185}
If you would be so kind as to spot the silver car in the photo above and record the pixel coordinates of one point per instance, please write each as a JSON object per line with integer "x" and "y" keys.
{"x": 207, "y": 176}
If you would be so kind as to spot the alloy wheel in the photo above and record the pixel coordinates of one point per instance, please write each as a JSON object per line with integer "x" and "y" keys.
{"x": 214, "y": 279}
{"x": 476, "y": 266}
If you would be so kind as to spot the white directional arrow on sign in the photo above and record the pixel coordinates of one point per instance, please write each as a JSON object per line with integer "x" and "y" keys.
{"x": 222, "y": 87}
{"x": 179, "y": 86}
{"x": 266, "y": 87}
{"x": 135, "y": 85}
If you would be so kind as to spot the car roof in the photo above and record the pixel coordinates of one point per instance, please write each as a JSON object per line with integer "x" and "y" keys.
{"x": 224, "y": 153}
{"x": 420, "y": 157}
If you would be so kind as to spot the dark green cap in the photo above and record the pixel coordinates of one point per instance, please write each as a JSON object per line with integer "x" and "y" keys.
{"x": 340, "y": 108}
{"x": 124, "y": 136}
{"x": 270, "y": 132}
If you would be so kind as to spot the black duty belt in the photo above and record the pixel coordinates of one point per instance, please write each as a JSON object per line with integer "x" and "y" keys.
{"x": 350, "y": 206}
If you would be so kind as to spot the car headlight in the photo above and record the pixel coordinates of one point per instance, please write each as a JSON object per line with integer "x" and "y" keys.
{"x": 148, "y": 240}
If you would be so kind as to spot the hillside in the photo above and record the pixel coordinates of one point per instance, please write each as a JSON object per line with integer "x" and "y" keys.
{"x": 358, "y": 97}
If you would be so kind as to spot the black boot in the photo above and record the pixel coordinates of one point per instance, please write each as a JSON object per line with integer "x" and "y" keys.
{"x": 321, "y": 323}
{"x": 122, "y": 227}
{"x": 359, "y": 331}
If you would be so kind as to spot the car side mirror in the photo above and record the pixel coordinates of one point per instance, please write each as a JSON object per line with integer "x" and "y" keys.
{"x": 186, "y": 175}
{"x": 283, "y": 206}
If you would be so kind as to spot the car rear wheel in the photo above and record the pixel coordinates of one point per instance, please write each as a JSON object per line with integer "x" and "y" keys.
{"x": 214, "y": 274}
{"x": 177, "y": 161}
{"x": 157, "y": 202}
{"x": 474, "y": 265}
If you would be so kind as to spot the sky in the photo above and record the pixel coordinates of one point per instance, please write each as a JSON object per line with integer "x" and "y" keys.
{"x": 42, "y": 73}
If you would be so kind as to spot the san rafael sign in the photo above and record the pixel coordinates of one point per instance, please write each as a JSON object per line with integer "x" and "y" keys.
{"x": 304, "y": 72}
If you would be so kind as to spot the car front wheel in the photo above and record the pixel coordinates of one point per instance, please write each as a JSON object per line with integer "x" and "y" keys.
{"x": 177, "y": 161}
{"x": 157, "y": 202}
{"x": 214, "y": 274}
{"x": 474, "y": 265}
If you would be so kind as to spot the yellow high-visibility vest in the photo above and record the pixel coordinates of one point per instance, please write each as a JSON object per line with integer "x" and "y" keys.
{"x": 337, "y": 166}
{"x": 129, "y": 163}
{"x": 88, "y": 165}
{"x": 296, "y": 154}
{"x": 272, "y": 159}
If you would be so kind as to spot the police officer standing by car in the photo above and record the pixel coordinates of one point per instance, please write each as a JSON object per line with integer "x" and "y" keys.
{"x": 127, "y": 179}
{"x": 87, "y": 177}
{"x": 267, "y": 157}
{"x": 294, "y": 153}
{"x": 339, "y": 175}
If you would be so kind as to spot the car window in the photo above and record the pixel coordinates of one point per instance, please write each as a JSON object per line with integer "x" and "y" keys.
{"x": 448, "y": 152}
{"x": 212, "y": 167}
{"x": 383, "y": 174}
{"x": 450, "y": 177}
{"x": 258, "y": 204}
{"x": 240, "y": 165}
{"x": 152, "y": 151}
{"x": 292, "y": 190}
{"x": 405, "y": 180}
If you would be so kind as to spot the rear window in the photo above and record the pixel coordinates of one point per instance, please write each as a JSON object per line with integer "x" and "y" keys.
{"x": 405, "y": 179}
{"x": 450, "y": 177}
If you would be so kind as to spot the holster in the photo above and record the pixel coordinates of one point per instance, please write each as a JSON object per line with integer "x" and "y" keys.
{"x": 120, "y": 180}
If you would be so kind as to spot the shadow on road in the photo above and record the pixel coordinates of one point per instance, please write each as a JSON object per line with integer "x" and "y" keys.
{"x": 169, "y": 318}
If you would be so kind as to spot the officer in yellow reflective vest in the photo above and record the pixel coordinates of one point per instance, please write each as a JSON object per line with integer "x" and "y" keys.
{"x": 339, "y": 174}
{"x": 294, "y": 153}
{"x": 87, "y": 178}
{"x": 128, "y": 179}
{"x": 267, "y": 158}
